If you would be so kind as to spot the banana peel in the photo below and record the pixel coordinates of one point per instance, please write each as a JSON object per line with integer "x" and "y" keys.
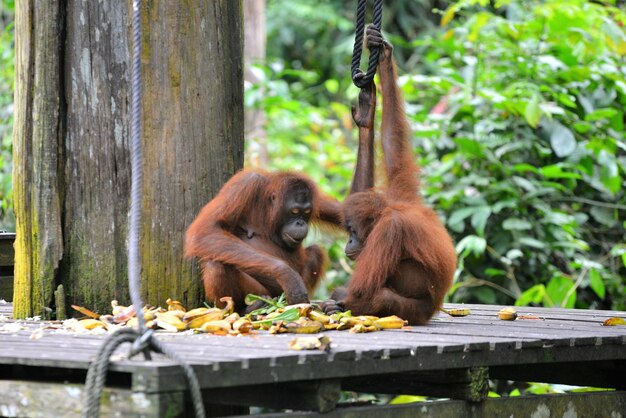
{"x": 216, "y": 327}
{"x": 321, "y": 343}
{"x": 91, "y": 323}
{"x": 456, "y": 312}
{"x": 390, "y": 322}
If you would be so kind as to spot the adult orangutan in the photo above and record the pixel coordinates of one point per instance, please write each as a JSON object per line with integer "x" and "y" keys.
{"x": 405, "y": 258}
{"x": 249, "y": 237}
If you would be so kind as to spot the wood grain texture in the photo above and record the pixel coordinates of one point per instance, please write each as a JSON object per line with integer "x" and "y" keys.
{"x": 37, "y": 138}
{"x": 192, "y": 132}
{"x": 72, "y": 167}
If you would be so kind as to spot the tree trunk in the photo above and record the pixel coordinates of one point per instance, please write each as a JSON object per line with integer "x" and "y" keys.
{"x": 71, "y": 143}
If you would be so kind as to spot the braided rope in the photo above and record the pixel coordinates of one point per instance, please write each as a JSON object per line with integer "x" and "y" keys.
{"x": 359, "y": 78}
{"x": 142, "y": 337}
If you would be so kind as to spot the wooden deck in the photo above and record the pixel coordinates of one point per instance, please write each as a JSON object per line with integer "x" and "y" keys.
{"x": 450, "y": 357}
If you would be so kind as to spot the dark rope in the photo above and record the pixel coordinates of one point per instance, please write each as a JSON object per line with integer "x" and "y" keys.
{"x": 359, "y": 78}
{"x": 142, "y": 340}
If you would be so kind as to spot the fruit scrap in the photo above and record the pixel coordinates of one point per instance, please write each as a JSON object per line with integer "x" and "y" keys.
{"x": 174, "y": 305}
{"x": 507, "y": 314}
{"x": 216, "y": 327}
{"x": 611, "y": 322}
{"x": 390, "y": 322}
{"x": 304, "y": 326}
{"x": 321, "y": 343}
{"x": 360, "y": 328}
{"x": 170, "y": 321}
{"x": 91, "y": 323}
{"x": 86, "y": 312}
{"x": 456, "y": 312}
{"x": 195, "y": 318}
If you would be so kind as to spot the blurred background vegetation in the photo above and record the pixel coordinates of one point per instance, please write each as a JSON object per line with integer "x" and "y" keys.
{"x": 517, "y": 108}
{"x": 7, "y": 220}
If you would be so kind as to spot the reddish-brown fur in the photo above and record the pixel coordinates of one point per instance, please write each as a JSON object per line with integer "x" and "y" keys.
{"x": 407, "y": 259}
{"x": 237, "y": 238}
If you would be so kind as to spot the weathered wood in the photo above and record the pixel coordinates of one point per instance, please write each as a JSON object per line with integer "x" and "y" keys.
{"x": 59, "y": 298}
{"x": 7, "y": 252}
{"x": 321, "y": 395}
{"x": 71, "y": 145}
{"x": 471, "y": 384}
{"x": 37, "y": 138}
{"x": 41, "y": 399}
{"x": 592, "y": 405}
{"x": 193, "y": 131}
{"x": 419, "y": 360}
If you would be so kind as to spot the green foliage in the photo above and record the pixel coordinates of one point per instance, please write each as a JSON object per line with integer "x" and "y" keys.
{"x": 7, "y": 220}
{"x": 518, "y": 113}
{"x": 527, "y": 161}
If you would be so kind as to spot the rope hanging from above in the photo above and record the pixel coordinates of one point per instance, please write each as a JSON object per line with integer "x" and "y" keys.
{"x": 359, "y": 78}
{"x": 142, "y": 339}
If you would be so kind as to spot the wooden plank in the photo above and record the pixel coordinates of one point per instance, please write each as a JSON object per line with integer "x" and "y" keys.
{"x": 321, "y": 395}
{"x": 7, "y": 253}
{"x": 545, "y": 312}
{"x": 595, "y": 405}
{"x": 43, "y": 399}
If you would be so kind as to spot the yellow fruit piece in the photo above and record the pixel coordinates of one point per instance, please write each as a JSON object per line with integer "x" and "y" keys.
{"x": 216, "y": 326}
{"x": 303, "y": 308}
{"x": 390, "y": 322}
{"x": 243, "y": 326}
{"x": 232, "y": 318}
{"x": 611, "y": 322}
{"x": 319, "y": 317}
{"x": 360, "y": 328}
{"x": 194, "y": 313}
{"x": 230, "y": 305}
{"x": 91, "y": 323}
{"x": 310, "y": 343}
{"x": 304, "y": 327}
{"x": 198, "y": 321}
{"x": 456, "y": 311}
{"x": 170, "y": 321}
{"x": 86, "y": 312}
{"x": 507, "y": 314}
{"x": 174, "y": 305}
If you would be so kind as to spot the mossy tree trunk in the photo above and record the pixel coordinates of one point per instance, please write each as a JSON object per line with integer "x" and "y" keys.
{"x": 71, "y": 143}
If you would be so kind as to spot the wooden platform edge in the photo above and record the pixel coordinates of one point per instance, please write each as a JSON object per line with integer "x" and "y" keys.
{"x": 588, "y": 405}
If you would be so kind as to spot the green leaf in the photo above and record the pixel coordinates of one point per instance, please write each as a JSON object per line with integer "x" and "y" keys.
{"x": 532, "y": 242}
{"x": 533, "y": 295}
{"x": 556, "y": 172}
{"x": 557, "y": 289}
{"x": 532, "y": 112}
{"x": 601, "y": 114}
{"x": 289, "y": 315}
{"x": 471, "y": 244}
{"x": 479, "y": 219}
{"x": 597, "y": 283}
{"x": 516, "y": 224}
{"x": 402, "y": 399}
{"x": 459, "y": 215}
{"x": 562, "y": 141}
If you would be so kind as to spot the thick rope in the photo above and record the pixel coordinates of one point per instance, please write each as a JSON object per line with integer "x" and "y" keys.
{"x": 142, "y": 338}
{"x": 359, "y": 78}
